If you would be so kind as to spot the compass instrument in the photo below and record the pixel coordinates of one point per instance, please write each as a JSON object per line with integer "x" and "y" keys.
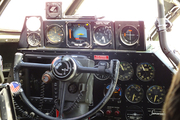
{"x": 129, "y": 35}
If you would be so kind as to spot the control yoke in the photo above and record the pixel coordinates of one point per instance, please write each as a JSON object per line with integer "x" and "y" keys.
{"x": 64, "y": 68}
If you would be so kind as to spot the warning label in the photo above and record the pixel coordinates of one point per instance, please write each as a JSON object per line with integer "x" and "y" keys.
{"x": 101, "y": 57}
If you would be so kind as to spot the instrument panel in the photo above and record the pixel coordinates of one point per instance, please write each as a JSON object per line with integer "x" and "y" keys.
{"x": 140, "y": 91}
{"x": 87, "y": 34}
{"x": 144, "y": 76}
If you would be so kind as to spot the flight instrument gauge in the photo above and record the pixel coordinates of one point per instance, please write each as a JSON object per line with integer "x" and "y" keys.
{"x": 54, "y": 34}
{"x": 33, "y": 39}
{"x": 103, "y": 35}
{"x": 134, "y": 93}
{"x": 125, "y": 71}
{"x": 102, "y": 76}
{"x": 145, "y": 71}
{"x": 117, "y": 92}
{"x": 155, "y": 94}
{"x": 129, "y": 35}
{"x": 78, "y": 35}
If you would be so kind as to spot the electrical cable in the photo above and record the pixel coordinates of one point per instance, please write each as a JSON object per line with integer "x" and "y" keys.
{"x": 41, "y": 101}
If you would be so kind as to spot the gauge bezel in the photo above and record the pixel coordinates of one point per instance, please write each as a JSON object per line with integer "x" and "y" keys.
{"x": 149, "y": 98}
{"x": 119, "y": 98}
{"x": 131, "y": 100}
{"x": 141, "y": 78}
{"x": 131, "y": 69}
{"x": 124, "y": 41}
{"x": 30, "y": 43}
{"x": 48, "y": 28}
{"x": 101, "y": 78}
{"x": 98, "y": 77}
{"x": 88, "y": 35}
{"x": 96, "y": 41}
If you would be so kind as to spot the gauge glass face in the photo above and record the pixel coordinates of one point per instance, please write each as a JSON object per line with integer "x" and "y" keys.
{"x": 117, "y": 92}
{"x": 33, "y": 39}
{"x": 101, "y": 76}
{"x": 129, "y": 35}
{"x": 155, "y": 94}
{"x": 134, "y": 113}
{"x": 125, "y": 71}
{"x": 55, "y": 34}
{"x": 145, "y": 72}
{"x": 134, "y": 93}
{"x": 103, "y": 35}
{"x": 78, "y": 34}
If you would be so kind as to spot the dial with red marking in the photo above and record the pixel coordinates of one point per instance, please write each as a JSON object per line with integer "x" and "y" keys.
{"x": 117, "y": 92}
{"x": 129, "y": 35}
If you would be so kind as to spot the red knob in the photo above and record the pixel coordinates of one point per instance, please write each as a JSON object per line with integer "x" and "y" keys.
{"x": 117, "y": 113}
{"x": 108, "y": 112}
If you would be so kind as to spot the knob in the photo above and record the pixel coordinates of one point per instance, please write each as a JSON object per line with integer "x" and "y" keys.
{"x": 108, "y": 112}
{"x": 117, "y": 113}
{"x": 46, "y": 77}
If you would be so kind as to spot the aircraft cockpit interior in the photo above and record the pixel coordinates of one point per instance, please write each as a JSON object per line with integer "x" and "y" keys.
{"x": 67, "y": 60}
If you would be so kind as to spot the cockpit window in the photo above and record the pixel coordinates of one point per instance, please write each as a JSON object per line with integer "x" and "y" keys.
{"x": 145, "y": 10}
{"x": 14, "y": 14}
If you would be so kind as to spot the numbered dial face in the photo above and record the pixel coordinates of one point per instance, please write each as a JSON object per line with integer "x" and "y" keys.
{"x": 134, "y": 93}
{"x": 117, "y": 92}
{"x": 55, "y": 34}
{"x": 33, "y": 39}
{"x": 155, "y": 94}
{"x": 101, "y": 76}
{"x": 103, "y": 35}
{"x": 125, "y": 71}
{"x": 145, "y": 71}
{"x": 129, "y": 35}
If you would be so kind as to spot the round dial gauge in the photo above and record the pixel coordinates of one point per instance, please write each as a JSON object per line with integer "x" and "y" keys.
{"x": 125, "y": 71}
{"x": 103, "y": 35}
{"x": 129, "y": 35}
{"x": 33, "y": 39}
{"x": 145, "y": 71}
{"x": 102, "y": 76}
{"x": 78, "y": 35}
{"x": 134, "y": 93}
{"x": 55, "y": 34}
{"x": 117, "y": 92}
{"x": 155, "y": 94}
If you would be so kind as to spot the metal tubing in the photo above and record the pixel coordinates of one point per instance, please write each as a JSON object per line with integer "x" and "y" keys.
{"x": 162, "y": 33}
